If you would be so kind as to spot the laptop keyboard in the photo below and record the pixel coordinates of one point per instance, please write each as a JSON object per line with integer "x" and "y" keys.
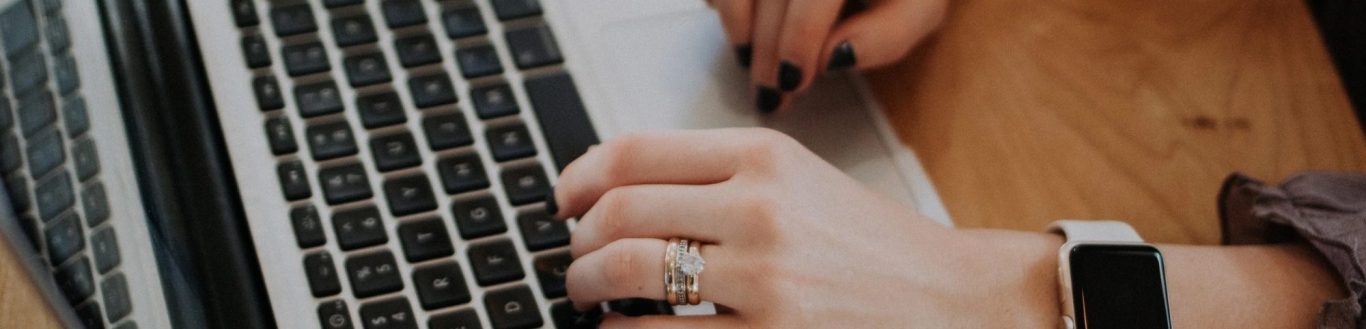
{"x": 51, "y": 167}
{"x": 430, "y": 86}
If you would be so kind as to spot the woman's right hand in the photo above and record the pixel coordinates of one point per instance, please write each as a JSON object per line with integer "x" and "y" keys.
{"x": 785, "y": 43}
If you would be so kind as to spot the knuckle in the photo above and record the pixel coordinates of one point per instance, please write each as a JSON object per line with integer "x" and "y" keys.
{"x": 621, "y": 265}
{"x": 768, "y": 148}
{"x": 611, "y": 219}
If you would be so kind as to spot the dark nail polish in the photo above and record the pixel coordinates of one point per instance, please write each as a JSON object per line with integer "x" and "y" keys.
{"x": 767, "y": 99}
{"x": 550, "y": 206}
{"x": 789, "y": 76}
{"x": 745, "y": 53}
{"x": 842, "y": 57}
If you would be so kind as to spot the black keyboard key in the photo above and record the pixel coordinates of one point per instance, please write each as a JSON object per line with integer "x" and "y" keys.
{"x": 11, "y": 156}
{"x": 380, "y": 110}
{"x": 305, "y": 59}
{"x": 495, "y": 262}
{"x": 308, "y": 226}
{"x": 534, "y": 47}
{"x": 478, "y": 217}
{"x": 341, "y": 3}
{"x": 256, "y": 52}
{"x": 513, "y": 308}
{"x": 478, "y": 61}
{"x": 64, "y": 238}
{"x": 75, "y": 280}
{"x": 344, "y": 183}
{"x": 244, "y": 13}
{"x": 463, "y": 22}
{"x": 86, "y": 157}
{"x": 409, "y": 195}
{"x": 445, "y": 131}
{"x": 373, "y": 274}
{"x": 18, "y": 28}
{"x": 525, "y": 184}
{"x": 462, "y": 173}
{"x": 334, "y": 315}
{"x": 566, "y": 317}
{"x": 400, "y": 13}
{"x": 367, "y": 69}
{"x": 322, "y": 274}
{"x": 54, "y": 195}
{"x": 550, "y": 272}
{"x": 89, "y": 315}
{"x": 417, "y": 50}
{"x": 49, "y": 7}
{"x": 293, "y": 180}
{"x": 267, "y": 92}
{"x": 359, "y": 228}
{"x": 18, "y": 193}
{"x": 388, "y": 314}
{"x": 64, "y": 71}
{"x": 95, "y": 203}
{"x": 114, "y": 289}
{"x": 27, "y": 72}
{"x": 58, "y": 36}
{"x": 45, "y": 152}
{"x": 105, "y": 248}
{"x": 464, "y": 319}
{"x": 318, "y": 99}
{"x": 494, "y": 101}
{"x": 35, "y": 112}
{"x": 354, "y": 30}
{"x": 293, "y": 19}
{"x": 424, "y": 239}
{"x": 541, "y": 232}
{"x": 640, "y": 306}
{"x": 6, "y": 114}
{"x": 74, "y": 115}
{"x": 280, "y": 134}
{"x": 512, "y": 9}
{"x": 330, "y": 140}
{"x": 510, "y": 142}
{"x": 440, "y": 286}
{"x": 396, "y": 151}
{"x": 564, "y": 123}
{"x": 431, "y": 90}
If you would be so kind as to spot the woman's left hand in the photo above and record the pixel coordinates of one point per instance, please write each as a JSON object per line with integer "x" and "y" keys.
{"x": 789, "y": 241}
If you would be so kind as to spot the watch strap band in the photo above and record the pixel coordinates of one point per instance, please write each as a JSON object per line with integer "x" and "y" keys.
{"x": 1094, "y": 230}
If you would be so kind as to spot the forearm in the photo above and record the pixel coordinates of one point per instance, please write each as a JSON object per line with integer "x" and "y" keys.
{"x": 1271, "y": 286}
{"x": 1268, "y": 286}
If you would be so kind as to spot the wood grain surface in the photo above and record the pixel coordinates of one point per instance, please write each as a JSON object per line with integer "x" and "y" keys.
{"x": 1025, "y": 111}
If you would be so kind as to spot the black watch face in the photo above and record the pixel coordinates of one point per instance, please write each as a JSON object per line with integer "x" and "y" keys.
{"x": 1118, "y": 287}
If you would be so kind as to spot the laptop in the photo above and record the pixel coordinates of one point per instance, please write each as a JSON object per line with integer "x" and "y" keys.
{"x": 357, "y": 164}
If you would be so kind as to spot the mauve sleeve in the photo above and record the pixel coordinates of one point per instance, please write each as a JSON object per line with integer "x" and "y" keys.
{"x": 1326, "y": 210}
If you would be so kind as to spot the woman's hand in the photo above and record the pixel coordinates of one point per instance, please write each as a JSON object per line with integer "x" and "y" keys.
{"x": 789, "y": 240}
{"x": 790, "y": 41}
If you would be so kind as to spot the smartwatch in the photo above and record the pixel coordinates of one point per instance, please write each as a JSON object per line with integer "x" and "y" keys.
{"x": 1108, "y": 278}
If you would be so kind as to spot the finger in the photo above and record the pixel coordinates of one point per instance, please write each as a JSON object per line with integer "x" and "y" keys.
{"x": 768, "y": 24}
{"x": 655, "y": 211}
{"x": 882, "y": 34}
{"x": 671, "y": 322}
{"x": 634, "y": 268}
{"x": 736, "y": 19}
{"x": 805, "y": 28}
{"x": 654, "y": 157}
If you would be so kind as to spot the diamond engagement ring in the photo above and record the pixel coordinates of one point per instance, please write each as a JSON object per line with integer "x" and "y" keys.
{"x": 682, "y": 265}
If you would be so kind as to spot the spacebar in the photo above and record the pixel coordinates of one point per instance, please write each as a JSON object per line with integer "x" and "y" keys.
{"x": 565, "y": 124}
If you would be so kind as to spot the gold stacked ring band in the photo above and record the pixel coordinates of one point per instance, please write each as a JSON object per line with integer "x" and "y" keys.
{"x": 682, "y": 265}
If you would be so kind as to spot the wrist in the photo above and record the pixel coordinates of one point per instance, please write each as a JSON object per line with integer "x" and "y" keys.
{"x": 1012, "y": 278}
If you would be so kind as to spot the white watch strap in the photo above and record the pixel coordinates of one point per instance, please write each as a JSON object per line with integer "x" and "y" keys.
{"x": 1095, "y": 230}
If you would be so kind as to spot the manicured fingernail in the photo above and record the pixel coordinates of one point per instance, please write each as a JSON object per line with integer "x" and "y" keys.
{"x": 744, "y": 53}
{"x": 842, "y": 57}
{"x": 550, "y": 206}
{"x": 767, "y": 99}
{"x": 789, "y": 76}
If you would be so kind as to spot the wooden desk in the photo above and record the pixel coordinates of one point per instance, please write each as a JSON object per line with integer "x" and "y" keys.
{"x": 1024, "y": 111}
